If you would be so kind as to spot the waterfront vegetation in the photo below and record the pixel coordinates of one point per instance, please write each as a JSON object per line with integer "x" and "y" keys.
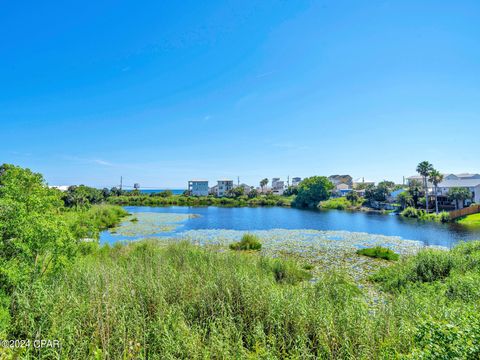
{"x": 248, "y": 242}
{"x": 341, "y": 203}
{"x": 379, "y": 252}
{"x": 147, "y": 300}
{"x": 420, "y": 214}
{"x": 169, "y": 299}
{"x": 185, "y": 200}
{"x": 470, "y": 220}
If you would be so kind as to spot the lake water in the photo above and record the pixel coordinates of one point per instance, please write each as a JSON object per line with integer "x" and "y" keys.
{"x": 178, "y": 221}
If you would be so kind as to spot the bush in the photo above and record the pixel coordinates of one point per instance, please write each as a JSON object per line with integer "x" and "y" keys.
{"x": 464, "y": 287}
{"x": 248, "y": 242}
{"x": 379, "y": 252}
{"x": 287, "y": 272}
{"x": 425, "y": 267}
{"x": 410, "y": 212}
{"x": 340, "y": 203}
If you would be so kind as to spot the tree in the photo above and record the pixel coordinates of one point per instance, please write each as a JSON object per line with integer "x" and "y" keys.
{"x": 353, "y": 197}
{"x": 459, "y": 194}
{"x": 405, "y": 199}
{"x": 414, "y": 188}
{"x": 435, "y": 177}
{"x": 34, "y": 239}
{"x": 236, "y": 192}
{"x": 263, "y": 183}
{"x": 291, "y": 190}
{"x": 424, "y": 168}
{"x": 379, "y": 192}
{"x": 253, "y": 193}
{"x": 312, "y": 190}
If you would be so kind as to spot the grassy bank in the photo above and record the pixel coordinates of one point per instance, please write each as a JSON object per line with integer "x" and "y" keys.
{"x": 470, "y": 220}
{"x": 87, "y": 223}
{"x": 183, "y": 200}
{"x": 420, "y": 214}
{"x": 181, "y": 301}
{"x": 340, "y": 203}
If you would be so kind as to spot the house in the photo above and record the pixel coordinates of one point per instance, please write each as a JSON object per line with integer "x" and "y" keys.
{"x": 393, "y": 196}
{"x": 198, "y": 187}
{"x": 213, "y": 190}
{"x": 223, "y": 186}
{"x": 464, "y": 180}
{"x": 246, "y": 188}
{"x": 278, "y": 186}
{"x": 296, "y": 181}
{"x": 362, "y": 183}
{"x": 342, "y": 189}
{"x": 341, "y": 179}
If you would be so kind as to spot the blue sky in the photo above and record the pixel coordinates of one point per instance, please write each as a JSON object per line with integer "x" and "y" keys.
{"x": 164, "y": 91}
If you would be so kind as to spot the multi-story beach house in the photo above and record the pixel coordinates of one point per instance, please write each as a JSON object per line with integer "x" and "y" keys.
{"x": 278, "y": 186}
{"x": 223, "y": 186}
{"x": 198, "y": 187}
{"x": 465, "y": 180}
{"x": 296, "y": 181}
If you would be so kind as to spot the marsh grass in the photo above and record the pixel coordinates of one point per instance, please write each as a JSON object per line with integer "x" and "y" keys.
{"x": 248, "y": 242}
{"x": 180, "y": 301}
{"x": 379, "y": 253}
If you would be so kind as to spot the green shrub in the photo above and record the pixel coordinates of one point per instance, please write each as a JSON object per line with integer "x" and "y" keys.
{"x": 340, "y": 203}
{"x": 464, "y": 287}
{"x": 287, "y": 272}
{"x": 379, "y": 252}
{"x": 248, "y": 242}
{"x": 444, "y": 217}
{"x": 410, "y": 212}
{"x": 425, "y": 267}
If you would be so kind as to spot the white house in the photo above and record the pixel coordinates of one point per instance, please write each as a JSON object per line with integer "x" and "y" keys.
{"x": 465, "y": 180}
{"x": 223, "y": 186}
{"x": 296, "y": 181}
{"x": 198, "y": 187}
{"x": 277, "y": 186}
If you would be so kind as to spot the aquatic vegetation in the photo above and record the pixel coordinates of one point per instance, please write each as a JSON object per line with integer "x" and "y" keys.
{"x": 379, "y": 252}
{"x": 248, "y": 242}
{"x": 326, "y": 250}
{"x": 148, "y": 224}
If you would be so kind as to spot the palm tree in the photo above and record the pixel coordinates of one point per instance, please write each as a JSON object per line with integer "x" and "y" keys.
{"x": 459, "y": 194}
{"x": 424, "y": 169}
{"x": 263, "y": 183}
{"x": 435, "y": 178}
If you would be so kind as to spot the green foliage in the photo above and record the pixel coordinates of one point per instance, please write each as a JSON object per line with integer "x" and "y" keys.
{"x": 147, "y": 301}
{"x": 411, "y": 212}
{"x": 340, "y": 203}
{"x": 83, "y": 196}
{"x": 312, "y": 190}
{"x": 406, "y": 199}
{"x": 379, "y": 192}
{"x": 286, "y": 272}
{"x": 248, "y": 242}
{"x": 33, "y": 238}
{"x": 353, "y": 197}
{"x": 185, "y": 200}
{"x": 379, "y": 252}
{"x": 470, "y": 220}
{"x": 426, "y": 267}
{"x": 459, "y": 195}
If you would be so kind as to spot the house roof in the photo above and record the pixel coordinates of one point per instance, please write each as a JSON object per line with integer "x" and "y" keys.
{"x": 460, "y": 183}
